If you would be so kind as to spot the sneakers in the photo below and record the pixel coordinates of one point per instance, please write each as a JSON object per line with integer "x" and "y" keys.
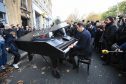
{"x": 3, "y": 67}
{"x": 15, "y": 66}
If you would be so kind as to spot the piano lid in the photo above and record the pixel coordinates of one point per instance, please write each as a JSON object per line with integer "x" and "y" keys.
{"x": 29, "y": 36}
{"x": 61, "y": 25}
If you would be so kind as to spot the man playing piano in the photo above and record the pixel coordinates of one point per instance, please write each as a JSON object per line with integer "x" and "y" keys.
{"x": 83, "y": 45}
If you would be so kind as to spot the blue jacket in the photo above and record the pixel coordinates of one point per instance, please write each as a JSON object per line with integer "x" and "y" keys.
{"x": 10, "y": 42}
{"x": 84, "y": 39}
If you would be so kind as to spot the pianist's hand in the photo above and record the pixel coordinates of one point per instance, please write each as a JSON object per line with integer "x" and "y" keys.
{"x": 71, "y": 46}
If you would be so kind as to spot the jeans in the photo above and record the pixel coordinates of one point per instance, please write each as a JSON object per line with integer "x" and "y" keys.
{"x": 3, "y": 57}
{"x": 13, "y": 49}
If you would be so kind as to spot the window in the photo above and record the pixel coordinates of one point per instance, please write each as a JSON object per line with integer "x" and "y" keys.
{"x": 1, "y": 1}
{"x": 1, "y": 15}
{"x": 24, "y": 3}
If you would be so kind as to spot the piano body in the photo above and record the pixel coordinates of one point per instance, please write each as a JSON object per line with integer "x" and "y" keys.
{"x": 53, "y": 42}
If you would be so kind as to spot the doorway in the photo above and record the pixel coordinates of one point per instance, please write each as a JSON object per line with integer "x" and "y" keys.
{"x": 24, "y": 21}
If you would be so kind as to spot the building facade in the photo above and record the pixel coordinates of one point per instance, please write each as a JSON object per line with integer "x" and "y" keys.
{"x": 19, "y": 12}
{"x": 42, "y": 13}
{"x": 34, "y": 13}
{"x": 3, "y": 18}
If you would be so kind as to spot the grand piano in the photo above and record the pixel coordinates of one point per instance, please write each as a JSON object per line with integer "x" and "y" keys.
{"x": 52, "y": 42}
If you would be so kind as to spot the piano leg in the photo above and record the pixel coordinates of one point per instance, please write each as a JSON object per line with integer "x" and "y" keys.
{"x": 30, "y": 56}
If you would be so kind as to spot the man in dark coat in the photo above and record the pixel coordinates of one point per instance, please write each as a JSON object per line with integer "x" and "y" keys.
{"x": 83, "y": 46}
{"x": 21, "y": 31}
{"x": 109, "y": 36}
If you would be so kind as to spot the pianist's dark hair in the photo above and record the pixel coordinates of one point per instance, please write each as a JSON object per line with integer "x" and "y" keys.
{"x": 80, "y": 24}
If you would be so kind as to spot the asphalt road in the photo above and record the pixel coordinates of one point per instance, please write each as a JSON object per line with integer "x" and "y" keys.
{"x": 38, "y": 72}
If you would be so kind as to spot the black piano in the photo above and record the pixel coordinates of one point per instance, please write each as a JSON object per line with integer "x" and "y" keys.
{"x": 52, "y": 42}
{"x": 39, "y": 42}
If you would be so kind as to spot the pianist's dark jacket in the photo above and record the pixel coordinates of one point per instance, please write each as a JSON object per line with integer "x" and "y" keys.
{"x": 84, "y": 39}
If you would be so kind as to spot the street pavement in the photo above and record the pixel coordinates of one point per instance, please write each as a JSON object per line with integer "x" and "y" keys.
{"x": 39, "y": 72}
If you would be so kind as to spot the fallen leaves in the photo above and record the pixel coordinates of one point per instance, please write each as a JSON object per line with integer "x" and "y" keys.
{"x": 20, "y": 82}
{"x": 34, "y": 66}
{"x": 5, "y": 73}
{"x": 67, "y": 70}
{"x": 43, "y": 73}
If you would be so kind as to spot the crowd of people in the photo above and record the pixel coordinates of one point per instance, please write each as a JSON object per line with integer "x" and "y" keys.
{"x": 106, "y": 34}
{"x": 8, "y": 35}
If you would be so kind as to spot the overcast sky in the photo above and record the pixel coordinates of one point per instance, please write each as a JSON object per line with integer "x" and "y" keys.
{"x": 63, "y": 8}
